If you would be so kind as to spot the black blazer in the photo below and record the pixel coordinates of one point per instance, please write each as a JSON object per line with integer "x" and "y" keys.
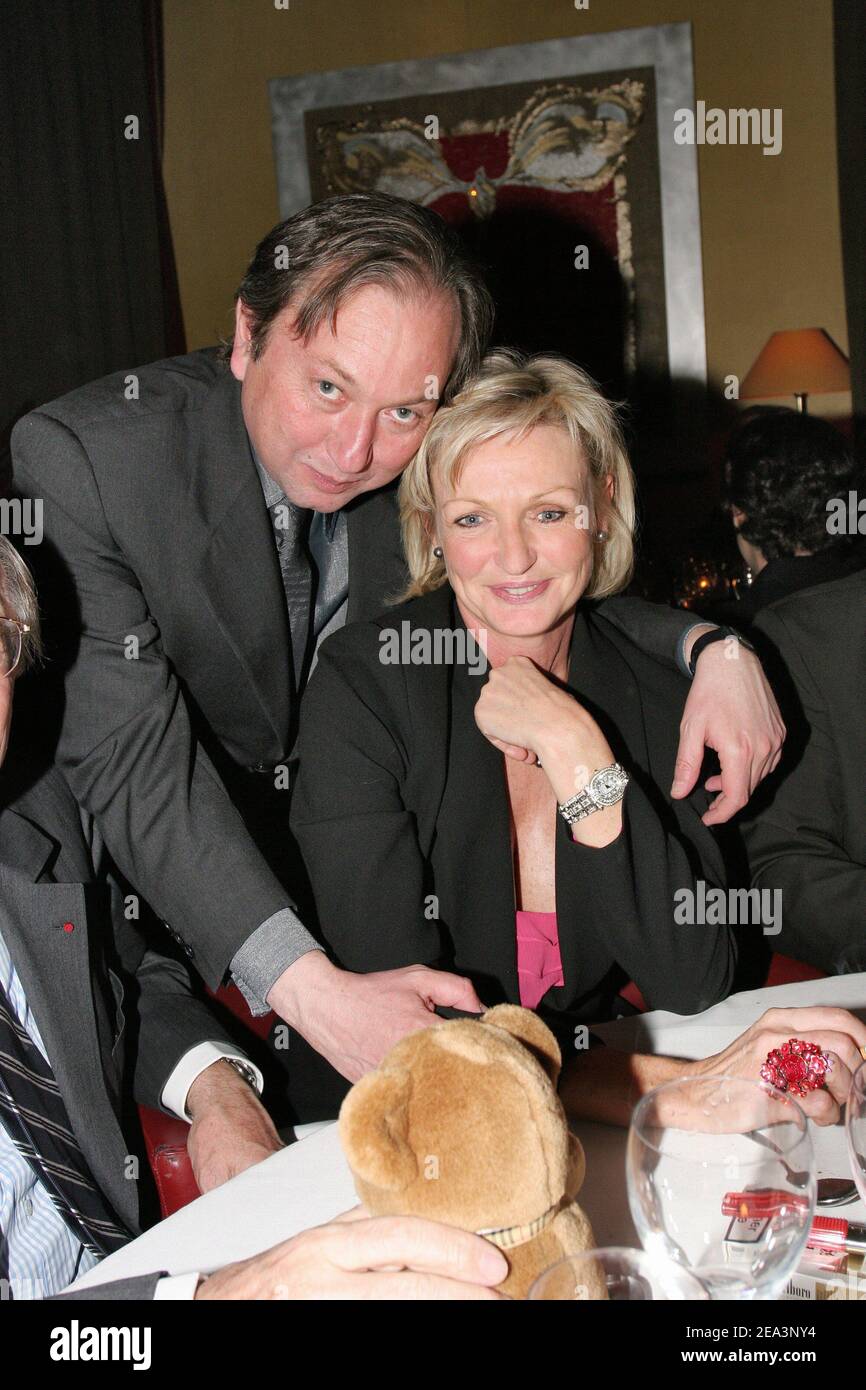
{"x": 807, "y": 832}
{"x": 157, "y": 534}
{"x": 115, "y": 1016}
{"x": 401, "y": 812}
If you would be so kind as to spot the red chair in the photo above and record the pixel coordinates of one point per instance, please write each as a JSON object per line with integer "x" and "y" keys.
{"x": 165, "y": 1140}
{"x": 784, "y": 970}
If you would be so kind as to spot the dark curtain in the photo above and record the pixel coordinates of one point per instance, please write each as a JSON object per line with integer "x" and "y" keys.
{"x": 849, "y": 18}
{"x": 88, "y": 283}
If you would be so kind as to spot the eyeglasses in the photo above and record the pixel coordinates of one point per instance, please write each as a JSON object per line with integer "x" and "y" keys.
{"x": 11, "y": 640}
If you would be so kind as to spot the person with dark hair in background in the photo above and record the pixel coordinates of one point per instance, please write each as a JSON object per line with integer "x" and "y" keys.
{"x": 210, "y": 519}
{"x": 807, "y": 833}
{"x": 782, "y": 470}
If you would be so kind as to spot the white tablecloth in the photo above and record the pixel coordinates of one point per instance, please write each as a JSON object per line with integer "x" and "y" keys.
{"x": 309, "y": 1182}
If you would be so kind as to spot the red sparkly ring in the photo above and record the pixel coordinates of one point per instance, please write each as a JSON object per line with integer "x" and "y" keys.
{"x": 797, "y": 1066}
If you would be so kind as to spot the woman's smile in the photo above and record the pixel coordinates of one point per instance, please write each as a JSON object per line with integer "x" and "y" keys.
{"x": 520, "y": 593}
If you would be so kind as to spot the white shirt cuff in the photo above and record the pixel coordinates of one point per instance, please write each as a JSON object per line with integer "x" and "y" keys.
{"x": 176, "y": 1286}
{"x": 191, "y": 1065}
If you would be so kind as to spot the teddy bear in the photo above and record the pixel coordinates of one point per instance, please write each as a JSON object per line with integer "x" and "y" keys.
{"x": 461, "y": 1123}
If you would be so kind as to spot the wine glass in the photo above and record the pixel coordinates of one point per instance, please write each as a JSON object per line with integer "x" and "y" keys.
{"x": 617, "y": 1274}
{"x": 721, "y": 1180}
{"x": 855, "y": 1127}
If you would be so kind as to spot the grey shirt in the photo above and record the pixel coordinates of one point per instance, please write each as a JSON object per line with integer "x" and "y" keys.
{"x": 283, "y": 938}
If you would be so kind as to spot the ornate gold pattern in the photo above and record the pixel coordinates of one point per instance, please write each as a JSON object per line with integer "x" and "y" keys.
{"x": 563, "y": 138}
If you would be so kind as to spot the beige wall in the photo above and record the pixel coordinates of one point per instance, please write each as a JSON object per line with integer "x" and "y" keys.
{"x": 770, "y": 226}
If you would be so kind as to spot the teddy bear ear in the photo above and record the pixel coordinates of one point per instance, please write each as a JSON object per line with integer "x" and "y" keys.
{"x": 528, "y": 1028}
{"x": 374, "y": 1124}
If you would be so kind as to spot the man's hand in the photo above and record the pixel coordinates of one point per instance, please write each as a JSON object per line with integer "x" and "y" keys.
{"x": 353, "y": 1020}
{"x": 230, "y": 1131}
{"x": 731, "y": 709}
{"x": 384, "y": 1257}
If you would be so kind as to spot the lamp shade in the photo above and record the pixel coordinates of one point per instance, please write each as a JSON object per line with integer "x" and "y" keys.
{"x": 797, "y": 361}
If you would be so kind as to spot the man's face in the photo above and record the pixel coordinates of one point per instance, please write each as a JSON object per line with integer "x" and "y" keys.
{"x": 344, "y": 413}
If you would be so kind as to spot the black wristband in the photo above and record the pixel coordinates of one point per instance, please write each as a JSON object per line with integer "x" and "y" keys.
{"x": 718, "y": 634}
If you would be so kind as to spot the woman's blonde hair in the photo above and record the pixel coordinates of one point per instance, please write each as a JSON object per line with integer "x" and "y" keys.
{"x": 512, "y": 394}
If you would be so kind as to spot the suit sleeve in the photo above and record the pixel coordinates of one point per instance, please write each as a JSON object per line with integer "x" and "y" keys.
{"x": 653, "y": 628}
{"x": 638, "y": 895}
{"x": 126, "y": 744}
{"x": 359, "y": 841}
{"x": 795, "y": 843}
{"x": 172, "y": 1020}
{"x": 139, "y": 1287}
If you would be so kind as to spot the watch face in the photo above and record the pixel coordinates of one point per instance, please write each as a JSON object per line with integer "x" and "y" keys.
{"x": 608, "y": 785}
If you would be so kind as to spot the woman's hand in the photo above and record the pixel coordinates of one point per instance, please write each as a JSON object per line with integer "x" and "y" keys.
{"x": 528, "y": 717}
{"x": 518, "y": 705}
{"x": 834, "y": 1030}
{"x": 531, "y": 719}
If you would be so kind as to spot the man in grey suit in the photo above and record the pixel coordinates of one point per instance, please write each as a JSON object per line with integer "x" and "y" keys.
{"x": 209, "y": 524}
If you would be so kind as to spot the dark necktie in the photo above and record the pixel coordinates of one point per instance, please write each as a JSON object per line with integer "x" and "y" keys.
{"x": 291, "y": 526}
{"x": 35, "y": 1117}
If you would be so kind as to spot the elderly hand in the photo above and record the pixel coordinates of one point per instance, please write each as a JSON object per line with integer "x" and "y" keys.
{"x": 384, "y": 1257}
{"x": 835, "y": 1031}
{"x": 230, "y": 1130}
{"x": 731, "y": 709}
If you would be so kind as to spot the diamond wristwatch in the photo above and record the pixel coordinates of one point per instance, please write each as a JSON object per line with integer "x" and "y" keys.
{"x": 605, "y": 788}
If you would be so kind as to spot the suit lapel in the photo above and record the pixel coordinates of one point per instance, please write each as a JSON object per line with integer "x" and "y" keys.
{"x": 377, "y": 569}
{"x": 472, "y": 854}
{"x": 238, "y": 567}
{"x": 75, "y": 1020}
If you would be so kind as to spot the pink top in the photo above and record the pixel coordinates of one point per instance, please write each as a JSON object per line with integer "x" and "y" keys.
{"x": 538, "y": 961}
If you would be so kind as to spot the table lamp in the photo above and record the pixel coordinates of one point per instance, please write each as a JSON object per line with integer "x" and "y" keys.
{"x": 797, "y": 362}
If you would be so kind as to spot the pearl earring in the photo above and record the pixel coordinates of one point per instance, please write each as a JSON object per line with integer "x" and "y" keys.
{"x": 601, "y": 535}
{"x": 437, "y": 551}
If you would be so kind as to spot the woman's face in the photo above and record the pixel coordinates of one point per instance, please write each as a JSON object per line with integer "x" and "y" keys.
{"x": 516, "y": 534}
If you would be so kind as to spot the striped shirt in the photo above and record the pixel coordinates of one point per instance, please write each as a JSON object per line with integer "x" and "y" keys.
{"x": 44, "y": 1256}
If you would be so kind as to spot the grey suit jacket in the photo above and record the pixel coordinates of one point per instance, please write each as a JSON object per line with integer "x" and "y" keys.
{"x": 161, "y": 592}
{"x": 115, "y": 1016}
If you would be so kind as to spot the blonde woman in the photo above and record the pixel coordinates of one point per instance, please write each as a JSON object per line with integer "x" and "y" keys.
{"x": 485, "y": 770}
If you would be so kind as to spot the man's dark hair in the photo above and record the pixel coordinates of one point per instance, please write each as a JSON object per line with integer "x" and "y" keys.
{"x": 319, "y": 256}
{"x": 781, "y": 470}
